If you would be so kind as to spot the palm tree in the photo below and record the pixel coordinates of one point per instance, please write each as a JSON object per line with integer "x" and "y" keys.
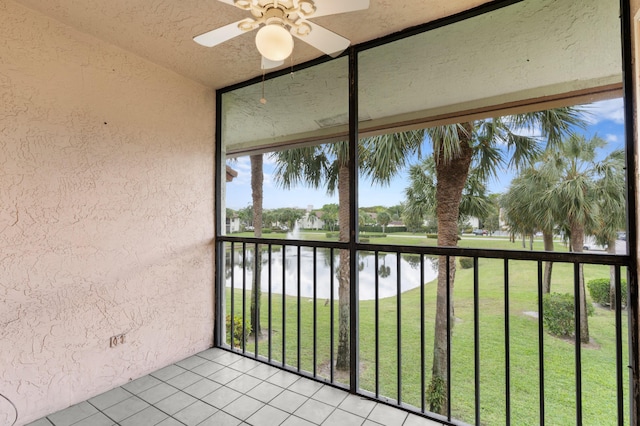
{"x": 610, "y": 187}
{"x": 327, "y": 166}
{"x": 257, "y": 178}
{"x": 455, "y": 148}
{"x": 330, "y": 216}
{"x": 363, "y": 218}
{"x": 526, "y": 211}
{"x": 578, "y": 193}
{"x": 492, "y": 221}
{"x": 421, "y": 193}
{"x": 383, "y": 219}
{"x": 384, "y": 271}
{"x": 246, "y": 216}
{"x": 289, "y": 216}
{"x": 311, "y": 219}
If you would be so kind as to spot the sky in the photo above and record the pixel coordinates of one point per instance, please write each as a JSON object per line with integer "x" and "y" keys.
{"x": 605, "y": 119}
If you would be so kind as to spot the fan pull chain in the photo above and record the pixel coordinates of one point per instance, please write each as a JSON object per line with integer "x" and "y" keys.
{"x": 263, "y": 100}
{"x": 291, "y": 66}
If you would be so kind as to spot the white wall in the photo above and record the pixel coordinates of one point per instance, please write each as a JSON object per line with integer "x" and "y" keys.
{"x": 106, "y": 215}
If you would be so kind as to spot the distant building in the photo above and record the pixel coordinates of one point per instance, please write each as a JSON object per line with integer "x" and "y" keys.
{"x": 311, "y": 220}
{"x": 474, "y": 222}
{"x": 233, "y": 224}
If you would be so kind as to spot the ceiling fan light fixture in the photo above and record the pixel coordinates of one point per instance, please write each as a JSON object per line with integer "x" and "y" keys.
{"x": 274, "y": 42}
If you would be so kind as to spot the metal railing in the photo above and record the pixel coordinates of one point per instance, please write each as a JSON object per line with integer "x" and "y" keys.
{"x": 299, "y": 308}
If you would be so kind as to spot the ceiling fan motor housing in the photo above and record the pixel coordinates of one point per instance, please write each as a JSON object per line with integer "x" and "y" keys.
{"x": 277, "y": 13}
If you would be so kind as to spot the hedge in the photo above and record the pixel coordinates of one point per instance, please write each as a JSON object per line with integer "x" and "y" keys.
{"x": 559, "y": 313}
{"x": 599, "y": 290}
{"x": 362, "y": 237}
{"x": 387, "y": 229}
{"x": 466, "y": 262}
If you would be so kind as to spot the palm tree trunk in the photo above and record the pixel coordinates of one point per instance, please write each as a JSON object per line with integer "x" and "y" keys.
{"x": 451, "y": 177}
{"x": 256, "y": 195}
{"x": 577, "y": 241}
{"x": 547, "y": 237}
{"x": 342, "y": 358}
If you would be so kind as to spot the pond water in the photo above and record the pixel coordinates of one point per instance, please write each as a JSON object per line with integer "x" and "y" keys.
{"x": 386, "y": 272}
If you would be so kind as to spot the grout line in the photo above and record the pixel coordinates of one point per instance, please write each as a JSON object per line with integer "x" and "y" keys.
{"x": 235, "y": 358}
{"x": 103, "y": 413}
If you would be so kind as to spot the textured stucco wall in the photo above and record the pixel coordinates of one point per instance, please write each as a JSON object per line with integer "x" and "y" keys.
{"x": 106, "y": 223}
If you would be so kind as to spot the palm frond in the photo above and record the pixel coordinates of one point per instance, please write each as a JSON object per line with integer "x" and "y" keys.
{"x": 300, "y": 166}
{"x": 474, "y": 200}
{"x": 421, "y": 193}
{"x": 554, "y": 124}
{"x": 446, "y": 140}
{"x": 382, "y": 156}
{"x": 525, "y": 150}
{"x": 488, "y": 159}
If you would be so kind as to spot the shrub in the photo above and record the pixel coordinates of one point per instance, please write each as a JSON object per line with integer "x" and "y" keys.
{"x": 434, "y": 236}
{"x": 466, "y": 262}
{"x": 267, "y": 231}
{"x": 238, "y": 338}
{"x": 393, "y": 229}
{"x": 599, "y": 290}
{"x": 370, "y": 228}
{"x": 377, "y": 228}
{"x": 559, "y": 313}
{"x": 372, "y": 236}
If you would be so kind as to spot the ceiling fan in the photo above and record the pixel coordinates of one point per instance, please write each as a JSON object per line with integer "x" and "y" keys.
{"x": 283, "y": 19}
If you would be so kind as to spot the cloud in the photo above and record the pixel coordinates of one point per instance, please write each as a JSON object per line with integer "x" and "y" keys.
{"x": 609, "y": 110}
{"x": 243, "y": 166}
{"x": 268, "y": 180}
{"x": 611, "y": 138}
{"x": 270, "y": 159}
{"x": 529, "y": 132}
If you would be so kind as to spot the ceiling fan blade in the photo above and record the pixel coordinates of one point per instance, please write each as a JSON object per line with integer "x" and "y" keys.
{"x": 220, "y": 35}
{"x": 244, "y": 4}
{"x": 324, "y": 40}
{"x": 268, "y": 64}
{"x": 332, "y": 7}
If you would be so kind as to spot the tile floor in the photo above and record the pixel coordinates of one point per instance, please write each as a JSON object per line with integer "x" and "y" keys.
{"x": 216, "y": 387}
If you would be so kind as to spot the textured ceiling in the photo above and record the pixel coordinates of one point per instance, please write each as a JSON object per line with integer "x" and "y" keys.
{"x": 162, "y": 30}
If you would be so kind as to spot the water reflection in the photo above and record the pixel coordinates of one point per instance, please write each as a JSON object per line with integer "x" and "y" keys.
{"x": 386, "y": 272}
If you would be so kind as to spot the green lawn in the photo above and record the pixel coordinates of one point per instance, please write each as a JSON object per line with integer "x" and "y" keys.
{"x": 598, "y": 358}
